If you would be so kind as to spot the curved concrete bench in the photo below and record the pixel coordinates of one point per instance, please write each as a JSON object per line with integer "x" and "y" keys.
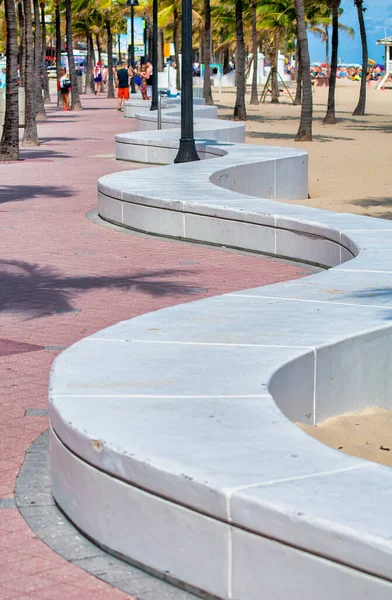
{"x": 172, "y": 440}
{"x": 137, "y": 105}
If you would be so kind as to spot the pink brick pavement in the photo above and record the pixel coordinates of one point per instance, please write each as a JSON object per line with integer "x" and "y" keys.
{"x": 63, "y": 278}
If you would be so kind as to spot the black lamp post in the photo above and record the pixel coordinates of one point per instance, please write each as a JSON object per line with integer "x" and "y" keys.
{"x": 154, "y": 100}
{"x": 187, "y": 150}
{"x": 131, "y": 48}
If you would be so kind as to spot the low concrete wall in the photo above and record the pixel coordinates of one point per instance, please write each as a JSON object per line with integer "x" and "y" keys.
{"x": 172, "y": 440}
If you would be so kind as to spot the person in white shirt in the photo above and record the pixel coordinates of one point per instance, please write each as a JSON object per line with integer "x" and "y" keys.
{"x": 64, "y": 87}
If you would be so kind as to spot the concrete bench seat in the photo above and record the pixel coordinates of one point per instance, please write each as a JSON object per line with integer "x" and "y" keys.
{"x": 172, "y": 436}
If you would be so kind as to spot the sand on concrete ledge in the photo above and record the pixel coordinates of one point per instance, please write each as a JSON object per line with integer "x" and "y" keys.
{"x": 367, "y": 434}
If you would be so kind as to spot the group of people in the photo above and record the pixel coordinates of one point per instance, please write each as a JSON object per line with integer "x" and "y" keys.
{"x": 346, "y": 72}
{"x": 142, "y": 79}
{"x": 122, "y": 78}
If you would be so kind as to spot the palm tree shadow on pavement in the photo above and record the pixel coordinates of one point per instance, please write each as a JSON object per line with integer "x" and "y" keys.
{"x": 35, "y": 291}
{"x": 18, "y": 193}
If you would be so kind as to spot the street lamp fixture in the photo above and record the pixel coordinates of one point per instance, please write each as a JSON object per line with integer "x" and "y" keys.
{"x": 187, "y": 150}
{"x": 131, "y": 47}
{"x": 154, "y": 100}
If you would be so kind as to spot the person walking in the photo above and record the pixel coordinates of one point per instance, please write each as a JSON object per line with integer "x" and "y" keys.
{"x": 149, "y": 80}
{"x": 97, "y": 74}
{"x": 122, "y": 78}
{"x": 105, "y": 72}
{"x": 64, "y": 86}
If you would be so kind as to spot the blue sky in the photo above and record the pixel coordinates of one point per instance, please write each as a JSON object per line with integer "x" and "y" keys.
{"x": 378, "y": 18}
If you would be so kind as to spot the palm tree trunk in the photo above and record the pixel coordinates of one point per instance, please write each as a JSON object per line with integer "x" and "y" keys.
{"x": 239, "y": 108}
{"x": 58, "y": 47}
{"x": 360, "y": 109}
{"x": 30, "y": 135}
{"x": 226, "y": 61}
{"x": 75, "y": 98}
{"x": 110, "y": 59}
{"x": 305, "y": 127}
{"x": 90, "y": 61}
{"x": 39, "y": 99}
{"x": 274, "y": 71}
{"x": 149, "y": 37}
{"x": 207, "y": 93}
{"x": 330, "y": 117}
{"x": 99, "y": 47}
{"x": 326, "y": 30}
{"x": 9, "y": 144}
{"x": 254, "y": 98}
{"x": 176, "y": 39}
{"x": 298, "y": 75}
{"x": 45, "y": 78}
{"x": 119, "y": 48}
{"x": 161, "y": 58}
{"x": 22, "y": 44}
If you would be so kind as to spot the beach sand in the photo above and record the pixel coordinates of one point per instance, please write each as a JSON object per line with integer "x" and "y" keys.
{"x": 349, "y": 171}
{"x": 367, "y": 434}
{"x": 349, "y": 163}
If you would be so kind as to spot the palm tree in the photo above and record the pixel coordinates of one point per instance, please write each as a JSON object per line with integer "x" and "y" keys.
{"x": 9, "y": 144}
{"x": 58, "y": 45}
{"x": 361, "y": 106}
{"x": 75, "y": 102}
{"x": 298, "y": 74}
{"x": 278, "y": 19}
{"x": 305, "y": 127}
{"x": 254, "y": 99}
{"x": 239, "y": 108}
{"x": 43, "y": 49}
{"x": 207, "y": 93}
{"x": 39, "y": 101}
{"x": 330, "y": 117}
{"x": 84, "y": 25}
{"x": 22, "y": 43}
{"x": 320, "y": 21}
{"x": 109, "y": 34}
{"x": 112, "y": 10}
{"x": 169, "y": 19}
{"x": 90, "y": 60}
{"x": 30, "y": 135}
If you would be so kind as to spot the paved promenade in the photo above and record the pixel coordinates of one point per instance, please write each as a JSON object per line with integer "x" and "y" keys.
{"x": 62, "y": 277}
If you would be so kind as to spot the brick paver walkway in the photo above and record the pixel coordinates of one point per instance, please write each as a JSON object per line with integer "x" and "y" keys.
{"x": 62, "y": 278}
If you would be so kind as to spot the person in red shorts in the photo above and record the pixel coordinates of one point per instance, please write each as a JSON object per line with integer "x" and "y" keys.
{"x": 122, "y": 77}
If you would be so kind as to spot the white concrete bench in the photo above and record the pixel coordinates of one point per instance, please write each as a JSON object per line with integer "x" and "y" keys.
{"x": 172, "y": 436}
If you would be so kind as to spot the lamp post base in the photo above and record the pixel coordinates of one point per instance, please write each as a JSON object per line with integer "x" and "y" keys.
{"x": 187, "y": 151}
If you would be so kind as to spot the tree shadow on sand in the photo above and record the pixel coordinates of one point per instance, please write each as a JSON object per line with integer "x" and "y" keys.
{"x": 268, "y": 135}
{"x": 373, "y": 202}
{"x": 35, "y": 291}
